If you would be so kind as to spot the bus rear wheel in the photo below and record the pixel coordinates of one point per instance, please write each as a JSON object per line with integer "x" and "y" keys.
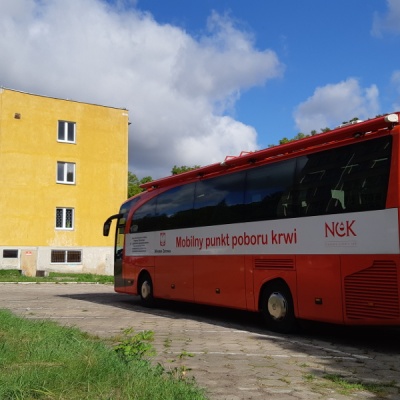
{"x": 146, "y": 291}
{"x": 277, "y": 308}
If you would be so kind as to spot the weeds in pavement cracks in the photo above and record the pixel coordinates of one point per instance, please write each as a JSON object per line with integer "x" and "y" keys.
{"x": 137, "y": 346}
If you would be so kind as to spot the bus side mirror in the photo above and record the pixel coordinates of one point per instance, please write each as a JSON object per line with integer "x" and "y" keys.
{"x": 107, "y": 224}
{"x": 106, "y": 228}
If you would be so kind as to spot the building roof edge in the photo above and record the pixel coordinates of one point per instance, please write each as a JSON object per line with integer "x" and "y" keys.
{"x": 60, "y": 98}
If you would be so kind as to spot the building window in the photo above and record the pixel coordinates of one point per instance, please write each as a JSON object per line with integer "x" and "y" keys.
{"x": 64, "y": 218}
{"x": 66, "y": 256}
{"x": 66, "y": 131}
{"x": 65, "y": 172}
{"x": 10, "y": 253}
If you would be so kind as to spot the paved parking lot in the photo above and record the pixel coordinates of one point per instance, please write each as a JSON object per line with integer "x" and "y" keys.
{"x": 228, "y": 352}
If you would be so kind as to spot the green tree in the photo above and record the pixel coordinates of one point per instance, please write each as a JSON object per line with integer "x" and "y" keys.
{"x": 146, "y": 179}
{"x": 300, "y": 135}
{"x": 134, "y": 183}
{"x": 183, "y": 168}
{"x": 355, "y": 119}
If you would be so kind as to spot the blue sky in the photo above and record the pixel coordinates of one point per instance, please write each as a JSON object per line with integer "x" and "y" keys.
{"x": 320, "y": 43}
{"x": 203, "y": 79}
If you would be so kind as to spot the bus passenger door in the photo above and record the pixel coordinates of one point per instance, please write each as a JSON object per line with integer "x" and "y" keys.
{"x": 174, "y": 277}
{"x": 118, "y": 252}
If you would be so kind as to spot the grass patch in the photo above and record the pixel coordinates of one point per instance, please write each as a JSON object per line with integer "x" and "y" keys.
{"x": 42, "y": 360}
{"x": 347, "y": 387}
{"x": 14, "y": 275}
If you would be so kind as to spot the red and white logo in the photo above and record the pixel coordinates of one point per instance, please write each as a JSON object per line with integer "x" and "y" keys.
{"x": 163, "y": 238}
{"x": 340, "y": 229}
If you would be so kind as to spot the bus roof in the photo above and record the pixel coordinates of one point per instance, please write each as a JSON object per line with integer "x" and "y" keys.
{"x": 343, "y": 132}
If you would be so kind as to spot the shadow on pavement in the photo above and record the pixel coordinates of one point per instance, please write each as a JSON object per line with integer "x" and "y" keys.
{"x": 358, "y": 354}
{"x": 366, "y": 339}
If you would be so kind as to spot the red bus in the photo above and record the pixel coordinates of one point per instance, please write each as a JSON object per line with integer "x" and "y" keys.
{"x": 305, "y": 230}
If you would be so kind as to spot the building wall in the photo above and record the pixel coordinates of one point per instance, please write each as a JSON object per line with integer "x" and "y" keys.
{"x": 29, "y": 152}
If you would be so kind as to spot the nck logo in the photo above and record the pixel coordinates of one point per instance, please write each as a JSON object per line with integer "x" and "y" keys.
{"x": 340, "y": 229}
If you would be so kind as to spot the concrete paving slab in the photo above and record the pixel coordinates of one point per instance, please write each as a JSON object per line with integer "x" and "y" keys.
{"x": 228, "y": 352}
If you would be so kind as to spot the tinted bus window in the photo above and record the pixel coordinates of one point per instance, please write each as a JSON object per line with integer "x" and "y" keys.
{"x": 347, "y": 179}
{"x": 144, "y": 218}
{"x": 269, "y": 191}
{"x": 219, "y": 200}
{"x": 174, "y": 208}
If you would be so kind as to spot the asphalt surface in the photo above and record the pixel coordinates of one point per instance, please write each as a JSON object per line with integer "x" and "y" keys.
{"x": 228, "y": 352}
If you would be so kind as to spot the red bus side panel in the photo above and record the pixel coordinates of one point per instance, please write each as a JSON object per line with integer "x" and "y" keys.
{"x": 220, "y": 280}
{"x": 319, "y": 288}
{"x": 371, "y": 289}
{"x": 174, "y": 278}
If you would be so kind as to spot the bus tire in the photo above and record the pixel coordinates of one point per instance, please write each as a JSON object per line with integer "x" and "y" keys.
{"x": 277, "y": 308}
{"x": 146, "y": 291}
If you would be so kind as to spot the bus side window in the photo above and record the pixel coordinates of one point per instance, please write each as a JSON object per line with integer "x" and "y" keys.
{"x": 320, "y": 201}
{"x": 174, "y": 208}
{"x": 144, "y": 218}
{"x": 268, "y": 191}
{"x": 219, "y": 200}
{"x": 313, "y": 195}
{"x": 285, "y": 206}
{"x": 336, "y": 204}
{"x": 365, "y": 176}
{"x": 351, "y": 189}
{"x": 374, "y": 185}
{"x": 120, "y": 238}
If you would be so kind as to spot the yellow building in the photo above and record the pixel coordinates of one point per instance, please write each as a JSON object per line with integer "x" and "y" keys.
{"x": 63, "y": 173}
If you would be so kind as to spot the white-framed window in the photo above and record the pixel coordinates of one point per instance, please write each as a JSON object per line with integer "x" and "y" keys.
{"x": 64, "y": 218}
{"x": 65, "y": 172}
{"x": 66, "y": 132}
{"x": 66, "y": 256}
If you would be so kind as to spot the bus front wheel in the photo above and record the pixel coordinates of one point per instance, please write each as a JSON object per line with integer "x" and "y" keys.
{"x": 146, "y": 291}
{"x": 277, "y": 307}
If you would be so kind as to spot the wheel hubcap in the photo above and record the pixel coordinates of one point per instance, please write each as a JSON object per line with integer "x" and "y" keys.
{"x": 277, "y": 306}
{"x": 145, "y": 290}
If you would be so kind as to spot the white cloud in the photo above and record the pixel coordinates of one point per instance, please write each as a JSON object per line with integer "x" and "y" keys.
{"x": 178, "y": 89}
{"x": 236, "y": 135}
{"x": 333, "y": 104}
{"x": 389, "y": 21}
